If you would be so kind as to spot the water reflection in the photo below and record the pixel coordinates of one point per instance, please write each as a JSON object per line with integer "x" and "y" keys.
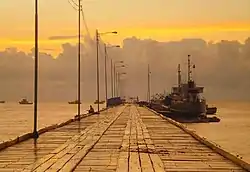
{"x": 35, "y": 149}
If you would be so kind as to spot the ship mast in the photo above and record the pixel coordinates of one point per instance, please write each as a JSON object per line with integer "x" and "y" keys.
{"x": 179, "y": 77}
{"x": 189, "y": 69}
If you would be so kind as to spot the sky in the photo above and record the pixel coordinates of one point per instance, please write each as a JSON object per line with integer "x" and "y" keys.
{"x": 161, "y": 20}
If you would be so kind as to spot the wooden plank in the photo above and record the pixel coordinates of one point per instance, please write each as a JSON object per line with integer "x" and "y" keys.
{"x": 123, "y": 162}
{"x": 146, "y": 165}
{"x": 122, "y": 139}
{"x": 134, "y": 163}
{"x": 173, "y": 145}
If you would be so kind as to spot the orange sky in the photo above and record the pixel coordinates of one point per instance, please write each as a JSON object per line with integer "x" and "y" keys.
{"x": 159, "y": 19}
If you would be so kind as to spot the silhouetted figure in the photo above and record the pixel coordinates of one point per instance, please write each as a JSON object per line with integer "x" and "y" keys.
{"x": 91, "y": 109}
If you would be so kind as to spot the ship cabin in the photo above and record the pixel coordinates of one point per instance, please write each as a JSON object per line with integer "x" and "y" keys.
{"x": 188, "y": 91}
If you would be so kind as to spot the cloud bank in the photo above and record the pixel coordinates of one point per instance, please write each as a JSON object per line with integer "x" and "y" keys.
{"x": 222, "y": 67}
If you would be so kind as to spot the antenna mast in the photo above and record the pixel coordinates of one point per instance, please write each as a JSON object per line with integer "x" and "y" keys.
{"x": 189, "y": 69}
{"x": 179, "y": 76}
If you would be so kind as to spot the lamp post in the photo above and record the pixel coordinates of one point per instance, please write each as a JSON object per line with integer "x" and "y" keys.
{"x": 115, "y": 75}
{"x": 114, "y": 70}
{"x": 79, "y": 62}
{"x": 111, "y": 75}
{"x": 35, "y": 133}
{"x": 97, "y": 66}
{"x": 106, "y": 83}
{"x": 149, "y": 89}
{"x": 118, "y": 81}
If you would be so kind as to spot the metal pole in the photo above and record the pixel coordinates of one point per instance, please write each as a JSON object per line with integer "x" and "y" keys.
{"x": 117, "y": 80}
{"x": 149, "y": 96}
{"x": 189, "y": 71}
{"x": 114, "y": 81}
{"x": 118, "y": 84}
{"x": 112, "y": 91}
{"x": 97, "y": 70}
{"x": 35, "y": 133}
{"x": 79, "y": 62}
{"x": 106, "y": 84}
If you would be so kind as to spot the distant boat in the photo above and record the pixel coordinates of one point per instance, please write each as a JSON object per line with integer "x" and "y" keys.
{"x": 74, "y": 102}
{"x": 2, "y": 101}
{"x": 100, "y": 102}
{"x": 25, "y": 102}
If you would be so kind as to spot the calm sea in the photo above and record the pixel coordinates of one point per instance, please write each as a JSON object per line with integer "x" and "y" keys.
{"x": 17, "y": 119}
{"x": 232, "y": 133}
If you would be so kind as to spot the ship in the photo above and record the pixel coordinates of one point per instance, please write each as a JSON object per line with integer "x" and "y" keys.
{"x": 74, "y": 102}
{"x": 2, "y": 101}
{"x": 25, "y": 102}
{"x": 186, "y": 100}
{"x": 100, "y": 102}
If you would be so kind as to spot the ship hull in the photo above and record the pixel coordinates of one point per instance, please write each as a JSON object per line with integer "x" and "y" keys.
{"x": 25, "y": 103}
{"x": 188, "y": 109}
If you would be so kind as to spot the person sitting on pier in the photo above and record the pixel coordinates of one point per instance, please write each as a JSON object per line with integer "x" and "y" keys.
{"x": 91, "y": 109}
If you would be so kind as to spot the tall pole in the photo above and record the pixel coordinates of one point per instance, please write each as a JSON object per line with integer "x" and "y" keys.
{"x": 112, "y": 91}
{"x": 179, "y": 77}
{"x": 106, "y": 83}
{"x": 117, "y": 83}
{"x": 149, "y": 84}
{"x": 79, "y": 62}
{"x": 189, "y": 71}
{"x": 114, "y": 81}
{"x": 97, "y": 70}
{"x": 35, "y": 133}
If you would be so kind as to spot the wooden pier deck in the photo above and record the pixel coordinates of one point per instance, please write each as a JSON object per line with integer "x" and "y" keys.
{"x": 125, "y": 138}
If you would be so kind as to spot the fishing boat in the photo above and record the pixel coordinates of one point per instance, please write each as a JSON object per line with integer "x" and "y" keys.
{"x": 74, "y": 102}
{"x": 25, "y": 102}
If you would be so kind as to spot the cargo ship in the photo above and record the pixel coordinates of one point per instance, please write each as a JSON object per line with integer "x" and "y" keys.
{"x": 185, "y": 103}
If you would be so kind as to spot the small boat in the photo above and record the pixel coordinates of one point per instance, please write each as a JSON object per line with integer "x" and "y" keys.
{"x": 100, "y": 102}
{"x": 2, "y": 101}
{"x": 25, "y": 102}
{"x": 74, "y": 102}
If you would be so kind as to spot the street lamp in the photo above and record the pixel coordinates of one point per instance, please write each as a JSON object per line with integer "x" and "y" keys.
{"x": 97, "y": 66}
{"x": 79, "y": 61}
{"x": 149, "y": 84}
{"x": 106, "y": 83}
{"x": 115, "y": 75}
{"x": 118, "y": 81}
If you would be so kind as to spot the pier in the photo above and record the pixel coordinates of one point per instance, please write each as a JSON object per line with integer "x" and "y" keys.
{"x": 123, "y": 138}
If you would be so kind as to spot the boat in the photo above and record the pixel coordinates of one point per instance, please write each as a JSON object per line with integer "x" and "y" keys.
{"x": 25, "y": 102}
{"x": 2, "y": 101}
{"x": 100, "y": 102}
{"x": 74, "y": 102}
{"x": 186, "y": 99}
{"x": 185, "y": 102}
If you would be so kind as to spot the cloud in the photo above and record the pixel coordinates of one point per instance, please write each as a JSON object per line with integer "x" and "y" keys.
{"x": 64, "y": 37}
{"x": 222, "y": 67}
